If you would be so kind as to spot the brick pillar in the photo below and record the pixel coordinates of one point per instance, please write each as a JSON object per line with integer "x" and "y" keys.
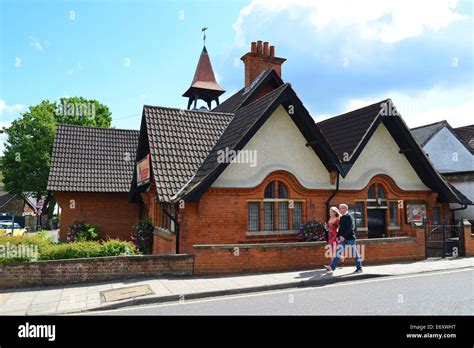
{"x": 468, "y": 239}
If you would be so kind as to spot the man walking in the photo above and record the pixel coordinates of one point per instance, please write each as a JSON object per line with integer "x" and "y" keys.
{"x": 346, "y": 236}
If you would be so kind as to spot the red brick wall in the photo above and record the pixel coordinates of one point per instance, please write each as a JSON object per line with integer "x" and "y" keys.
{"x": 110, "y": 211}
{"x": 164, "y": 243}
{"x": 249, "y": 258}
{"x": 220, "y": 216}
{"x": 468, "y": 240}
{"x": 55, "y": 272}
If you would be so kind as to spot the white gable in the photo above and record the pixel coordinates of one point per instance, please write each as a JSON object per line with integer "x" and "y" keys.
{"x": 278, "y": 145}
{"x": 381, "y": 156}
{"x": 448, "y": 154}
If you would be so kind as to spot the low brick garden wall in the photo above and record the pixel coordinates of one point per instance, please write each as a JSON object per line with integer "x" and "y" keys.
{"x": 274, "y": 257}
{"x": 468, "y": 239}
{"x": 57, "y": 272}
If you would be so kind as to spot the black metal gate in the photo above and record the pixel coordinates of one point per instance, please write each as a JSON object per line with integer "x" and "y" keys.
{"x": 444, "y": 240}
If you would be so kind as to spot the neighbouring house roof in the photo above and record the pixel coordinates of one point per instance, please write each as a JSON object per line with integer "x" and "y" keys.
{"x": 467, "y": 134}
{"x": 424, "y": 134}
{"x": 246, "y": 122}
{"x": 5, "y": 197}
{"x": 349, "y": 133}
{"x": 462, "y": 198}
{"x": 91, "y": 159}
{"x": 30, "y": 199}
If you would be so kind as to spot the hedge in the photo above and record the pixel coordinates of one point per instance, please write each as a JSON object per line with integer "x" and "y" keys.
{"x": 56, "y": 251}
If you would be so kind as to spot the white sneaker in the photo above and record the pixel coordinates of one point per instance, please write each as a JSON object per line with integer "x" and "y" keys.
{"x": 328, "y": 268}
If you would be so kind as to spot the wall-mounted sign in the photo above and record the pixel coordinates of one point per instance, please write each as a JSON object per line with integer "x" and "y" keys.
{"x": 416, "y": 212}
{"x": 143, "y": 171}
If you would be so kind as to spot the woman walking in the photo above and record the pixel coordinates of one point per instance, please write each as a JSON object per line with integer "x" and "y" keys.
{"x": 332, "y": 227}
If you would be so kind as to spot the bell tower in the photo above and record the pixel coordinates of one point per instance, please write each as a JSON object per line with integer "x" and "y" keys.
{"x": 204, "y": 85}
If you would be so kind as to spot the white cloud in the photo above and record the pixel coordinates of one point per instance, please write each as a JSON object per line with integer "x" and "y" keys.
{"x": 9, "y": 109}
{"x": 385, "y": 20}
{"x": 456, "y": 105}
{"x": 3, "y": 136}
{"x": 36, "y": 45}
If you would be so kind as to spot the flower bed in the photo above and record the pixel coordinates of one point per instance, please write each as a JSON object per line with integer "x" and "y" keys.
{"x": 313, "y": 231}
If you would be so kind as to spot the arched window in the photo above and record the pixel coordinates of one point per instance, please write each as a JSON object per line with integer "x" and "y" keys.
{"x": 376, "y": 196}
{"x": 376, "y": 191}
{"x": 381, "y": 192}
{"x": 276, "y": 210}
{"x": 282, "y": 191}
{"x": 270, "y": 190}
{"x": 371, "y": 193}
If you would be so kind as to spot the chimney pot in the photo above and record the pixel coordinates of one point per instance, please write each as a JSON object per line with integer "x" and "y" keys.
{"x": 272, "y": 51}
{"x": 253, "y": 47}
{"x": 265, "y": 48}
{"x": 261, "y": 57}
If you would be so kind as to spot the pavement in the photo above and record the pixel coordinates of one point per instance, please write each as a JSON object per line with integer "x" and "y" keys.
{"x": 52, "y": 234}
{"x": 430, "y": 293}
{"x": 77, "y": 298}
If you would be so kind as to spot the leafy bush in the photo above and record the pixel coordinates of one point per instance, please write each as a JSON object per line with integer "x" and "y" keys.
{"x": 81, "y": 231}
{"x": 45, "y": 250}
{"x": 20, "y": 248}
{"x": 42, "y": 234}
{"x": 312, "y": 231}
{"x": 111, "y": 247}
{"x": 142, "y": 235}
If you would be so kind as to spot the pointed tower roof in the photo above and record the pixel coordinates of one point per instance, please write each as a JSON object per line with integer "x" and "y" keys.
{"x": 204, "y": 85}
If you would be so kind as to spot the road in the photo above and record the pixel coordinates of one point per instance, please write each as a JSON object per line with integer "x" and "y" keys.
{"x": 437, "y": 293}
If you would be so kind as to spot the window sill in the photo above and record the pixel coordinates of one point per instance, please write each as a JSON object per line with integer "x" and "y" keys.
{"x": 272, "y": 233}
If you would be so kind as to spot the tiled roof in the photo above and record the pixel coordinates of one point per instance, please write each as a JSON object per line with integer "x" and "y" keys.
{"x": 345, "y": 132}
{"x": 424, "y": 133}
{"x": 232, "y": 103}
{"x": 466, "y": 133}
{"x": 238, "y": 99}
{"x": 179, "y": 142}
{"x": 5, "y": 197}
{"x": 91, "y": 159}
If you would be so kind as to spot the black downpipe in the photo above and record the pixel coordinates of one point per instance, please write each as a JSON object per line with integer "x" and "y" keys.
{"x": 176, "y": 224}
{"x": 328, "y": 202}
{"x": 453, "y": 219}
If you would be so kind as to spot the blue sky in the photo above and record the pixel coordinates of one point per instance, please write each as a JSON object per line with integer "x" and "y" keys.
{"x": 340, "y": 54}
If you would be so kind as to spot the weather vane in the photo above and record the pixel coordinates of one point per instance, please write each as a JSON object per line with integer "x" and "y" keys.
{"x": 204, "y": 31}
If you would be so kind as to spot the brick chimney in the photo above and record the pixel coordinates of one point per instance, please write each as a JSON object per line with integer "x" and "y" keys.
{"x": 261, "y": 57}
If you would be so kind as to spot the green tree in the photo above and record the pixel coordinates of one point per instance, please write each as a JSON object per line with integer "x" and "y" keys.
{"x": 27, "y": 156}
{"x": 84, "y": 112}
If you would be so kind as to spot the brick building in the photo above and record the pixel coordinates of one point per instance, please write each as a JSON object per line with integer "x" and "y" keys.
{"x": 232, "y": 185}
{"x": 90, "y": 175}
